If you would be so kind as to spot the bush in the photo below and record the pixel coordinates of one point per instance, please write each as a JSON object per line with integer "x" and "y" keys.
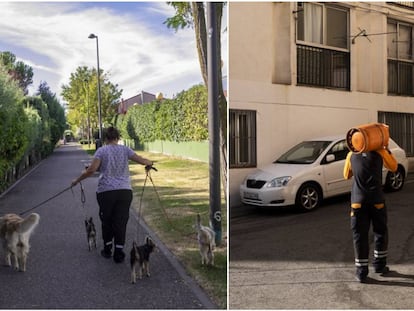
{"x": 13, "y": 120}
{"x": 184, "y": 118}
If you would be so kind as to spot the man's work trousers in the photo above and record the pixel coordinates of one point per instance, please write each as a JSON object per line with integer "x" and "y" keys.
{"x": 361, "y": 218}
{"x": 114, "y": 214}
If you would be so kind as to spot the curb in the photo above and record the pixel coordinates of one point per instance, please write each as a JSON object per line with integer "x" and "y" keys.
{"x": 192, "y": 284}
{"x": 21, "y": 179}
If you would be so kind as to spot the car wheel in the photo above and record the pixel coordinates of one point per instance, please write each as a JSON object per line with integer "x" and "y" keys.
{"x": 309, "y": 196}
{"x": 395, "y": 181}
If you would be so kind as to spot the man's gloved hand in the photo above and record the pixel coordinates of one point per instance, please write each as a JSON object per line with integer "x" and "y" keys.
{"x": 389, "y": 161}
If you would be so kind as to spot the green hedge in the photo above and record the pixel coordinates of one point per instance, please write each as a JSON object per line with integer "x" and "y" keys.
{"x": 25, "y": 136}
{"x": 184, "y": 118}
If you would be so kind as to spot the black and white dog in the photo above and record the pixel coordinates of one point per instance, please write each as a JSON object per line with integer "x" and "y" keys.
{"x": 140, "y": 259}
{"x": 90, "y": 233}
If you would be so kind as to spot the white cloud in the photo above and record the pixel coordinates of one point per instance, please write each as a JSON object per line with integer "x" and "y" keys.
{"x": 136, "y": 54}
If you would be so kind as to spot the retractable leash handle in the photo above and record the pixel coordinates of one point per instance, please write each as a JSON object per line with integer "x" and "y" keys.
{"x": 149, "y": 168}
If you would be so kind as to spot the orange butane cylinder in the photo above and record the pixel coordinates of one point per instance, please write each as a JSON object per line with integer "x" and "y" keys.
{"x": 368, "y": 137}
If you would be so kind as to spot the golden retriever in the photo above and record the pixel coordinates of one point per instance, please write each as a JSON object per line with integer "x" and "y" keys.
{"x": 15, "y": 233}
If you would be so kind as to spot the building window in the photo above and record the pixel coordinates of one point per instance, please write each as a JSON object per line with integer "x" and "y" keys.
{"x": 401, "y": 129}
{"x": 400, "y": 58}
{"x": 242, "y": 134}
{"x": 322, "y": 46}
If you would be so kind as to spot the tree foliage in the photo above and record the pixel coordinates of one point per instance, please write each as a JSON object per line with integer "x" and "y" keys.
{"x": 30, "y": 126}
{"x": 192, "y": 14}
{"x": 13, "y": 141}
{"x": 46, "y": 145}
{"x": 18, "y": 70}
{"x": 56, "y": 113}
{"x": 82, "y": 97}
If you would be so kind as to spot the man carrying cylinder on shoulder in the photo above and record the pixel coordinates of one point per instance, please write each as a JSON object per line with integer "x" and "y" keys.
{"x": 369, "y": 153}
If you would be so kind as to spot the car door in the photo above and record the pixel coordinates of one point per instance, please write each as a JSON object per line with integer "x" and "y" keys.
{"x": 333, "y": 166}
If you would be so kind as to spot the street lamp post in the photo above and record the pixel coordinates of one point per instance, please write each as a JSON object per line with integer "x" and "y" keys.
{"x": 213, "y": 121}
{"x": 87, "y": 109}
{"x": 93, "y": 36}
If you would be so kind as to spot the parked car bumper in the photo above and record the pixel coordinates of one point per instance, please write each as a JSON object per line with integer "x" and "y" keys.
{"x": 267, "y": 197}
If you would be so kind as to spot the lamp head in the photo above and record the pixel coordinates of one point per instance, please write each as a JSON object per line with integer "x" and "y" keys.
{"x": 92, "y": 36}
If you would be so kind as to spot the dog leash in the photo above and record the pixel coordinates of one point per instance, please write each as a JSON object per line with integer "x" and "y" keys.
{"x": 147, "y": 170}
{"x": 45, "y": 201}
{"x": 83, "y": 199}
{"x": 161, "y": 205}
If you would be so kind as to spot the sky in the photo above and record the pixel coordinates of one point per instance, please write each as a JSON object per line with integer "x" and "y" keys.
{"x": 136, "y": 49}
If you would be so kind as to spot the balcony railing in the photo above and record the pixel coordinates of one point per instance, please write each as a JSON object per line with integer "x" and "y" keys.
{"x": 406, "y": 4}
{"x": 323, "y": 67}
{"x": 400, "y": 78}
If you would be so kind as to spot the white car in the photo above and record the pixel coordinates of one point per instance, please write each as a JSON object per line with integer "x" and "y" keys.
{"x": 310, "y": 172}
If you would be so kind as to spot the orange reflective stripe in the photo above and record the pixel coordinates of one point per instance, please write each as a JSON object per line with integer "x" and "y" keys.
{"x": 380, "y": 205}
{"x": 356, "y": 205}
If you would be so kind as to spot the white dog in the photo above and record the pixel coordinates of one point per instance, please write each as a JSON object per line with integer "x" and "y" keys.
{"x": 206, "y": 241}
{"x": 15, "y": 234}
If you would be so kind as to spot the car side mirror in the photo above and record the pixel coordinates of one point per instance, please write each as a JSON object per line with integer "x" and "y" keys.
{"x": 330, "y": 158}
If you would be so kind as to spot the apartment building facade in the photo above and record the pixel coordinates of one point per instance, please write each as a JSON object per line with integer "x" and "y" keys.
{"x": 300, "y": 70}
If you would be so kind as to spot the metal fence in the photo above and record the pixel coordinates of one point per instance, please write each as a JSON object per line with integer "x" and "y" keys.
{"x": 401, "y": 129}
{"x": 323, "y": 67}
{"x": 400, "y": 78}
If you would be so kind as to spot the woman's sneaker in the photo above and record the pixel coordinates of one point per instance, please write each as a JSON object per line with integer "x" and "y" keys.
{"x": 119, "y": 255}
{"x": 107, "y": 251}
{"x": 382, "y": 270}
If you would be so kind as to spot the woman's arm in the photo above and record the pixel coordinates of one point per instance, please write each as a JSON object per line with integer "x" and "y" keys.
{"x": 88, "y": 172}
{"x": 140, "y": 160}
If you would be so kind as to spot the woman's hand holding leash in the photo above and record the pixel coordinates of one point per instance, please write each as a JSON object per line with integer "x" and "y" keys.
{"x": 148, "y": 168}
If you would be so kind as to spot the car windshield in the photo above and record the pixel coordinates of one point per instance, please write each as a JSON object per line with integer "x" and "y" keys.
{"x": 304, "y": 153}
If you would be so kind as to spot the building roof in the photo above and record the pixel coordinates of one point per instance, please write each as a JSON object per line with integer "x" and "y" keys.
{"x": 139, "y": 99}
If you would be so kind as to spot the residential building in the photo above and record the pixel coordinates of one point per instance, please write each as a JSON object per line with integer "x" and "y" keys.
{"x": 301, "y": 70}
{"x": 139, "y": 99}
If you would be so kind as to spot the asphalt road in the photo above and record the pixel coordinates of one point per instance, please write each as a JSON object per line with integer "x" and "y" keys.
{"x": 62, "y": 273}
{"x": 284, "y": 259}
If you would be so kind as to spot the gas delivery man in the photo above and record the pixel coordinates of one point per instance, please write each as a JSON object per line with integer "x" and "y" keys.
{"x": 369, "y": 152}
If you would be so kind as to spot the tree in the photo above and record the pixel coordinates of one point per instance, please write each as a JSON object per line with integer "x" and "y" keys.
{"x": 19, "y": 71}
{"x": 36, "y": 102}
{"x": 192, "y": 14}
{"x": 82, "y": 97}
{"x": 56, "y": 112}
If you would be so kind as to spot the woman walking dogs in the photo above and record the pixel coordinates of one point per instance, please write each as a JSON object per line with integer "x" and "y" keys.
{"x": 114, "y": 192}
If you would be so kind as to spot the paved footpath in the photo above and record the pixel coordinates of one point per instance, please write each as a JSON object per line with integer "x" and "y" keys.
{"x": 61, "y": 272}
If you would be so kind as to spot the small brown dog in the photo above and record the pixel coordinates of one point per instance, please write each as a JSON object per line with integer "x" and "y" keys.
{"x": 15, "y": 233}
{"x": 140, "y": 259}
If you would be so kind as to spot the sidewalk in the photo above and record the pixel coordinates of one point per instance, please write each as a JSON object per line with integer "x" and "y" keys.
{"x": 62, "y": 273}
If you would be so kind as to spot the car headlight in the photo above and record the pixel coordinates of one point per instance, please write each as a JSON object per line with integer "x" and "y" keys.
{"x": 278, "y": 182}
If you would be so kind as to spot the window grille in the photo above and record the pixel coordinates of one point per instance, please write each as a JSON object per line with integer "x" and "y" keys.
{"x": 401, "y": 129}
{"x": 323, "y": 67}
{"x": 242, "y": 138}
{"x": 400, "y": 58}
